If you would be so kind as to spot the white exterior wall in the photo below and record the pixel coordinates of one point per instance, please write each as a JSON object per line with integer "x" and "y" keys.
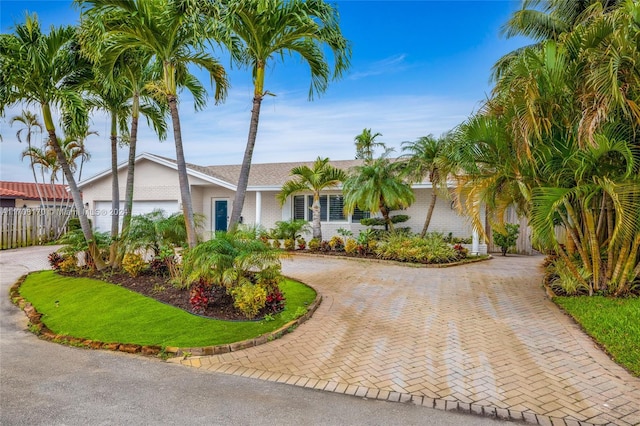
{"x": 153, "y": 182}
{"x": 444, "y": 218}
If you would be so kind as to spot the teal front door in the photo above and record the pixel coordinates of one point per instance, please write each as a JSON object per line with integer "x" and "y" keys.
{"x": 220, "y": 215}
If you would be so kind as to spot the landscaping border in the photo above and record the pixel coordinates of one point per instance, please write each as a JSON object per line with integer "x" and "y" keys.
{"x": 37, "y": 327}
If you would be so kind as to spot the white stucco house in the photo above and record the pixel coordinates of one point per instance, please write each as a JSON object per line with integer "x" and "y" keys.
{"x": 213, "y": 190}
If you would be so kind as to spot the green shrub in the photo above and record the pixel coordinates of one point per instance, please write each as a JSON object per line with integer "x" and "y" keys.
{"x": 275, "y": 244}
{"x": 290, "y": 229}
{"x": 336, "y": 243}
{"x": 507, "y": 239}
{"x": 351, "y": 246}
{"x": 249, "y": 299}
{"x": 302, "y": 243}
{"x": 431, "y": 249}
{"x": 289, "y": 244}
{"x": 68, "y": 264}
{"x": 314, "y": 244}
{"x": 133, "y": 264}
{"x": 563, "y": 281}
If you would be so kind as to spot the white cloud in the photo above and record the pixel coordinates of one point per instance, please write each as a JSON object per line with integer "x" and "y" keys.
{"x": 291, "y": 129}
{"x": 391, "y": 64}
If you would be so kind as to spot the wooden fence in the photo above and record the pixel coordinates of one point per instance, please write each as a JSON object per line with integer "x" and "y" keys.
{"x": 29, "y": 227}
{"x": 523, "y": 243}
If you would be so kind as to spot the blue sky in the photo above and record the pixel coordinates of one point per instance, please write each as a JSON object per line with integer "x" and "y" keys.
{"x": 418, "y": 67}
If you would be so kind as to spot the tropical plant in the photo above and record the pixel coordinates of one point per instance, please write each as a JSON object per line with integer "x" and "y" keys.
{"x": 507, "y": 237}
{"x": 290, "y": 229}
{"x": 75, "y": 246}
{"x": 424, "y": 158}
{"x": 320, "y": 176}
{"x": 174, "y": 33}
{"x": 377, "y": 185}
{"x": 111, "y": 99}
{"x": 366, "y": 144}
{"x": 157, "y": 231}
{"x": 133, "y": 73}
{"x": 46, "y": 70}
{"x": 229, "y": 260}
{"x": 403, "y": 248}
{"x": 558, "y": 139}
{"x": 31, "y": 124}
{"x": 272, "y": 29}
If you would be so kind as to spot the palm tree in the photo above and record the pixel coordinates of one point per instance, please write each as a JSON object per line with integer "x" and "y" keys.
{"x": 113, "y": 100}
{"x": 132, "y": 71}
{"x": 45, "y": 70}
{"x": 366, "y": 143}
{"x": 424, "y": 158}
{"x": 377, "y": 186}
{"x": 173, "y": 33}
{"x": 558, "y": 139}
{"x": 321, "y": 175}
{"x": 272, "y": 29}
{"x": 31, "y": 124}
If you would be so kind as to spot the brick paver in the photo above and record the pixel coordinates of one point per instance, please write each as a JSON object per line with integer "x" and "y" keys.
{"x": 479, "y": 338}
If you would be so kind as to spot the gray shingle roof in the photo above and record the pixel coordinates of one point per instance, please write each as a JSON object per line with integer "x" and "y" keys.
{"x": 261, "y": 174}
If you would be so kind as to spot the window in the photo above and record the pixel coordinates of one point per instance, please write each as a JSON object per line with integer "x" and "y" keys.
{"x": 298, "y": 207}
{"x": 359, "y": 214}
{"x": 331, "y": 208}
{"x": 336, "y": 208}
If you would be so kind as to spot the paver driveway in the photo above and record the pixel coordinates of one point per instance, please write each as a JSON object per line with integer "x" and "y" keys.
{"x": 476, "y": 337}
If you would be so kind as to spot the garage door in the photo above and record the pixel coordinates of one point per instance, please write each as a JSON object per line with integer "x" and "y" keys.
{"x": 102, "y": 213}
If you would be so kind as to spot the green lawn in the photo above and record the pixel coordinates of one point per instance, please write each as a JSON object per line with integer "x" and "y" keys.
{"x": 613, "y": 323}
{"x": 96, "y": 310}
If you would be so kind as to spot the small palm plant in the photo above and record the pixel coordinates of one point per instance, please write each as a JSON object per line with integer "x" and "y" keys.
{"x": 239, "y": 262}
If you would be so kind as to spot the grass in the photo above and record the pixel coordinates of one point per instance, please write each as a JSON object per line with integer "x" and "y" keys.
{"x": 95, "y": 310}
{"x": 613, "y": 323}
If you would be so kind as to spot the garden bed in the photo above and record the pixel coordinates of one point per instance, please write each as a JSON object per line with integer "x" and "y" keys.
{"x": 160, "y": 289}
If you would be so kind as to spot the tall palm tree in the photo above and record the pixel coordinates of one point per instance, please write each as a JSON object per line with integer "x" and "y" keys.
{"x": 112, "y": 99}
{"x": 377, "y": 186}
{"x": 133, "y": 72}
{"x": 31, "y": 124}
{"x": 321, "y": 175}
{"x": 272, "y": 29}
{"x": 173, "y": 34}
{"x": 366, "y": 143}
{"x": 44, "y": 69}
{"x": 424, "y": 158}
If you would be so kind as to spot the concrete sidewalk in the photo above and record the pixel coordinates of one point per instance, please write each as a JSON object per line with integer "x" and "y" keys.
{"x": 481, "y": 338}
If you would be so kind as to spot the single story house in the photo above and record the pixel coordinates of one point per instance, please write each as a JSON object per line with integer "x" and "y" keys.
{"x": 27, "y": 195}
{"x": 213, "y": 191}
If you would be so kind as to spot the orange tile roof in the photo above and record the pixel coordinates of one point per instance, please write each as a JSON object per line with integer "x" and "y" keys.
{"x": 29, "y": 191}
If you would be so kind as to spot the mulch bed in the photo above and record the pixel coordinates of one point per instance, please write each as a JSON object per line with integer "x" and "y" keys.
{"x": 159, "y": 288}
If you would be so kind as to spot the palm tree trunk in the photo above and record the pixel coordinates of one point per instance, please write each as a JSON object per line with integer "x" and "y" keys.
{"x": 75, "y": 191}
{"x": 115, "y": 192}
{"x": 243, "y": 180}
{"x": 131, "y": 164}
{"x": 128, "y": 203}
{"x": 315, "y": 208}
{"x": 434, "y": 198}
{"x": 185, "y": 193}
{"x": 388, "y": 225}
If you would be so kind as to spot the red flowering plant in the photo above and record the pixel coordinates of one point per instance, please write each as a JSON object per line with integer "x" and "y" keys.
{"x": 199, "y": 296}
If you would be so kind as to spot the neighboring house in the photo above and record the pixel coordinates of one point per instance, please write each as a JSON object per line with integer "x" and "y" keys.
{"x": 26, "y": 195}
{"x": 213, "y": 190}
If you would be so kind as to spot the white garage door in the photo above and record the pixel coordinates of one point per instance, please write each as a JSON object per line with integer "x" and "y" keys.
{"x": 102, "y": 213}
